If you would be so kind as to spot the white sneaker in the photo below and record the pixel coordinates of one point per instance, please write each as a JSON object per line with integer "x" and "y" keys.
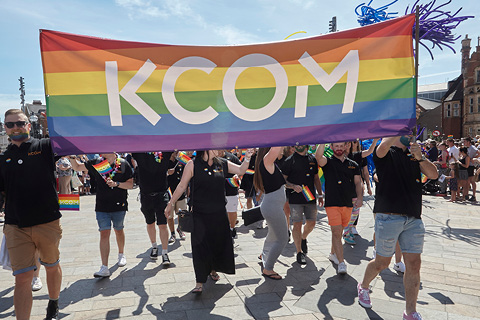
{"x": 354, "y": 231}
{"x": 36, "y": 284}
{"x": 342, "y": 268}
{"x": 399, "y": 267}
{"x": 102, "y": 273}
{"x": 122, "y": 261}
{"x": 374, "y": 253}
{"x": 333, "y": 257}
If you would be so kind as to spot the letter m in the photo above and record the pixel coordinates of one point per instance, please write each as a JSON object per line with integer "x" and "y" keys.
{"x": 350, "y": 65}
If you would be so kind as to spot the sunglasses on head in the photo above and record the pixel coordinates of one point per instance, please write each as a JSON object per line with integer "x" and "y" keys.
{"x": 20, "y": 124}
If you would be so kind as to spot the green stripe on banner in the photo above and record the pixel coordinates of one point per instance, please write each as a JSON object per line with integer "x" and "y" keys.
{"x": 97, "y": 105}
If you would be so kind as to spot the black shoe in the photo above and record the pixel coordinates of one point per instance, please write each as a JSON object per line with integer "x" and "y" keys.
{"x": 234, "y": 232}
{"x": 52, "y": 310}
{"x": 289, "y": 236}
{"x": 154, "y": 253}
{"x": 304, "y": 246}
{"x": 165, "y": 260}
{"x": 472, "y": 198}
{"x": 301, "y": 258}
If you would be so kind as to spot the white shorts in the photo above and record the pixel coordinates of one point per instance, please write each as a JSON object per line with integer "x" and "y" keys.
{"x": 232, "y": 203}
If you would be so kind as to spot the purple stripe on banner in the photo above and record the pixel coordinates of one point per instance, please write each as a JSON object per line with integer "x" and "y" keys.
{"x": 245, "y": 139}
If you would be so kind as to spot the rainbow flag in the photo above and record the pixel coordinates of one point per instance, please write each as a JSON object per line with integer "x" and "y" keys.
{"x": 250, "y": 171}
{"x": 69, "y": 202}
{"x": 110, "y": 95}
{"x": 183, "y": 158}
{"x": 322, "y": 177}
{"x": 450, "y": 136}
{"x": 424, "y": 178}
{"x": 307, "y": 193}
{"x": 169, "y": 192}
{"x": 103, "y": 167}
{"x": 233, "y": 182}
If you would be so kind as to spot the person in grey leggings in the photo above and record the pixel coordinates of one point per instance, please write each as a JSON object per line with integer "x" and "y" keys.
{"x": 269, "y": 179}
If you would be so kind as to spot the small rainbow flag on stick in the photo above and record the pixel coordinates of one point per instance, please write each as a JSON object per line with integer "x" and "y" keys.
{"x": 169, "y": 192}
{"x": 450, "y": 136}
{"x": 322, "y": 177}
{"x": 103, "y": 167}
{"x": 183, "y": 158}
{"x": 424, "y": 178}
{"x": 307, "y": 193}
{"x": 69, "y": 202}
{"x": 250, "y": 171}
{"x": 233, "y": 182}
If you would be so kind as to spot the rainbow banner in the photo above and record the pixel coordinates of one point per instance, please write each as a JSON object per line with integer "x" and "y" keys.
{"x": 108, "y": 95}
{"x": 69, "y": 202}
{"x": 103, "y": 167}
{"x": 233, "y": 182}
{"x": 307, "y": 193}
{"x": 183, "y": 158}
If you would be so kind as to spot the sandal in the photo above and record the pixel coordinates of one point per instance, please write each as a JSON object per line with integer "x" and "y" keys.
{"x": 260, "y": 257}
{"x": 273, "y": 276}
{"x": 197, "y": 290}
{"x": 215, "y": 277}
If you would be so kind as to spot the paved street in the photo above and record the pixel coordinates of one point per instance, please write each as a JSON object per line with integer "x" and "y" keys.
{"x": 144, "y": 289}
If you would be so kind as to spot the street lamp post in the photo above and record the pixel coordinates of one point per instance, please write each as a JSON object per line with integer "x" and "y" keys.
{"x": 34, "y": 121}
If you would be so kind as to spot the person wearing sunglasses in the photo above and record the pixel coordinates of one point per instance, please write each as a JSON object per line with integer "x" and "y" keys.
{"x": 32, "y": 215}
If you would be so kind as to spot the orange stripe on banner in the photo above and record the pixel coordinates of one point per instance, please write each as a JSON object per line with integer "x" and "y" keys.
{"x": 322, "y": 50}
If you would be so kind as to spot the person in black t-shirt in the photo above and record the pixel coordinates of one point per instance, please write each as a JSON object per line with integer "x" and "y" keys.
{"x": 397, "y": 209}
{"x": 32, "y": 216}
{"x": 342, "y": 184}
{"x": 110, "y": 202}
{"x": 175, "y": 171}
{"x": 152, "y": 171}
{"x": 301, "y": 173}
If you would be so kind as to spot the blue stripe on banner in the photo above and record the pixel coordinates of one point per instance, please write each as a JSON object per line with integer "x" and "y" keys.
{"x": 226, "y": 122}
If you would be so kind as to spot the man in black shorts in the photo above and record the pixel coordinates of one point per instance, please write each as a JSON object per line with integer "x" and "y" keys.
{"x": 152, "y": 171}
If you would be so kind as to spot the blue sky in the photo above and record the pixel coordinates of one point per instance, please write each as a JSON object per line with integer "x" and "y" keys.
{"x": 198, "y": 22}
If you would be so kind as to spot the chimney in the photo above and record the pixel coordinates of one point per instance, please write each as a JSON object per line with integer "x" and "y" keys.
{"x": 465, "y": 53}
{"x": 478, "y": 45}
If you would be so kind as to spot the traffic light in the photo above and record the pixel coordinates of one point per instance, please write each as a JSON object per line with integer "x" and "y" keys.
{"x": 332, "y": 25}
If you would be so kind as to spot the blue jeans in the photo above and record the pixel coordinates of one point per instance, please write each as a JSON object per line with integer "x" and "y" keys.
{"x": 105, "y": 220}
{"x": 389, "y": 228}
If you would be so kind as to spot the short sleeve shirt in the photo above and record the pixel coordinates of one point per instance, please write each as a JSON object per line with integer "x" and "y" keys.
{"x": 300, "y": 170}
{"x": 399, "y": 188}
{"x": 28, "y": 180}
{"x": 152, "y": 174}
{"x": 340, "y": 182}
{"x": 110, "y": 199}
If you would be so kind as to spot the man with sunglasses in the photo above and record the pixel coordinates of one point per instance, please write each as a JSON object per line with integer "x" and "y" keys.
{"x": 32, "y": 216}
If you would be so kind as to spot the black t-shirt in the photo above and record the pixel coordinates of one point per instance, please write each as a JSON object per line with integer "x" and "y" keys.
{"x": 208, "y": 192}
{"x": 357, "y": 157}
{"x": 28, "y": 180}
{"x": 399, "y": 188}
{"x": 152, "y": 174}
{"x": 433, "y": 154}
{"x": 110, "y": 199}
{"x": 300, "y": 170}
{"x": 271, "y": 182}
{"x": 174, "y": 179}
{"x": 339, "y": 182}
{"x": 247, "y": 179}
{"x": 229, "y": 189}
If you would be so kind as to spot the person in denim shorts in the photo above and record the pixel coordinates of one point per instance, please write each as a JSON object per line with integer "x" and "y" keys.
{"x": 398, "y": 208}
{"x": 110, "y": 203}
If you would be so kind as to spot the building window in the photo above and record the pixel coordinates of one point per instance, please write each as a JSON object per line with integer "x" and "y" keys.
{"x": 478, "y": 104}
{"x": 448, "y": 111}
{"x": 470, "y": 131}
{"x": 478, "y": 75}
{"x": 471, "y": 105}
{"x": 456, "y": 110}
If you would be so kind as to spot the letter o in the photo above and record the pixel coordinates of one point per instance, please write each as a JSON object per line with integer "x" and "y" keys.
{"x": 232, "y": 74}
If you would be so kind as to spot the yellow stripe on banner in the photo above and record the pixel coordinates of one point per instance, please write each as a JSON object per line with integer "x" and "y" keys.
{"x": 79, "y": 83}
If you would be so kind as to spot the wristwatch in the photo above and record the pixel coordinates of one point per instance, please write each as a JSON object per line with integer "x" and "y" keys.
{"x": 423, "y": 158}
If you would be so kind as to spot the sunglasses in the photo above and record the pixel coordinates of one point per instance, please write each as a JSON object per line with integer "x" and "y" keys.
{"x": 20, "y": 124}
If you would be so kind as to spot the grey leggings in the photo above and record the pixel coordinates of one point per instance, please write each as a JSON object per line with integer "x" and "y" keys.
{"x": 277, "y": 237}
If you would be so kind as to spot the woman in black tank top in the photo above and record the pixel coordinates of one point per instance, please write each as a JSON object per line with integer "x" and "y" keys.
{"x": 212, "y": 247}
{"x": 269, "y": 179}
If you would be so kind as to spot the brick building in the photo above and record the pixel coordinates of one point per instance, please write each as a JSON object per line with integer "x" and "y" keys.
{"x": 471, "y": 88}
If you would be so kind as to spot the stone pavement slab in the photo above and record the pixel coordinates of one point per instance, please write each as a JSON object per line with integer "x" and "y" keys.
{"x": 144, "y": 289}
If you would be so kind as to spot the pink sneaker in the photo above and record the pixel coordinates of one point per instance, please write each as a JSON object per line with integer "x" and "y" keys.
{"x": 412, "y": 316}
{"x": 364, "y": 298}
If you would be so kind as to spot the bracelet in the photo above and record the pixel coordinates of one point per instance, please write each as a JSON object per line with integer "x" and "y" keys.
{"x": 320, "y": 195}
{"x": 247, "y": 159}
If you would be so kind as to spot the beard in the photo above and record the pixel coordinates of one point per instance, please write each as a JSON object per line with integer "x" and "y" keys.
{"x": 338, "y": 153}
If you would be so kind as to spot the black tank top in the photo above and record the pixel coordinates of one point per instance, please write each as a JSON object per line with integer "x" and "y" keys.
{"x": 209, "y": 186}
{"x": 271, "y": 182}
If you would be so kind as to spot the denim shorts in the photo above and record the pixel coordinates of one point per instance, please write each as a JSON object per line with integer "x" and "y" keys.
{"x": 105, "y": 219}
{"x": 389, "y": 228}
{"x": 297, "y": 211}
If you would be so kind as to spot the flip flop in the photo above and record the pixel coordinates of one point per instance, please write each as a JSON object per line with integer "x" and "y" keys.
{"x": 273, "y": 276}
{"x": 197, "y": 290}
{"x": 215, "y": 277}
